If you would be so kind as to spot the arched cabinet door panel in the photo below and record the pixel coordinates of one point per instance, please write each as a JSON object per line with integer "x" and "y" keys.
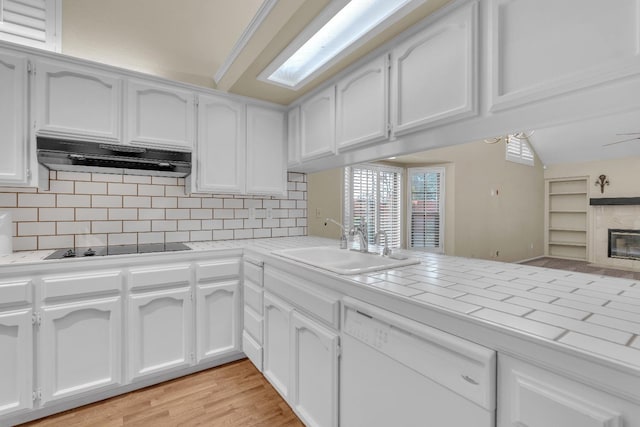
{"x": 72, "y": 101}
{"x": 16, "y": 360}
{"x": 217, "y": 315}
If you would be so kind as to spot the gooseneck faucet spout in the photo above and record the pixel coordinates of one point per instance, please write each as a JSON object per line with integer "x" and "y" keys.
{"x": 361, "y": 232}
{"x": 343, "y": 234}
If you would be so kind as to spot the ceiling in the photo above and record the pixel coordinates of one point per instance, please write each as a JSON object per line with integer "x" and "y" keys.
{"x": 190, "y": 40}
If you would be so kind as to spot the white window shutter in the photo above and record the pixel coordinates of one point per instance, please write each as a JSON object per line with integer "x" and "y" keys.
{"x": 426, "y": 211}
{"x": 34, "y": 23}
{"x": 519, "y": 151}
{"x": 373, "y": 193}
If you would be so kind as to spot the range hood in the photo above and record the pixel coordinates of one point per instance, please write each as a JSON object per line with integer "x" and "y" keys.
{"x": 76, "y": 156}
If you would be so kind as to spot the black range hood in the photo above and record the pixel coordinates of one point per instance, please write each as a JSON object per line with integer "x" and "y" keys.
{"x": 76, "y": 156}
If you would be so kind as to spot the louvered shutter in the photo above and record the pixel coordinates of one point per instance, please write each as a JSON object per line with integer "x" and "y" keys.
{"x": 374, "y": 193}
{"x": 519, "y": 151}
{"x": 34, "y": 23}
{"x": 426, "y": 208}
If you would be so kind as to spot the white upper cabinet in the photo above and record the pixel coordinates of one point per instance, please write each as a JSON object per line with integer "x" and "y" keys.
{"x": 14, "y": 162}
{"x": 361, "y": 105}
{"x": 539, "y": 49}
{"x": 266, "y": 151}
{"x": 77, "y": 102}
{"x": 293, "y": 136}
{"x": 159, "y": 115}
{"x": 221, "y": 145}
{"x": 317, "y": 125}
{"x": 433, "y": 73}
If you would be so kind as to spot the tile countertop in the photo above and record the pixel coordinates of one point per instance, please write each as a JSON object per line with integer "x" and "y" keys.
{"x": 594, "y": 314}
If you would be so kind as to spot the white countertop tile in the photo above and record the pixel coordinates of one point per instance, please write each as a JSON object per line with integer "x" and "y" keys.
{"x": 499, "y": 296}
{"x": 438, "y": 290}
{"x": 519, "y": 323}
{"x": 591, "y": 329}
{"x": 523, "y": 294}
{"x": 614, "y": 323}
{"x": 624, "y": 354}
{"x": 448, "y": 303}
{"x": 516, "y": 310}
{"x": 550, "y": 308}
{"x": 632, "y": 317}
{"x": 397, "y": 289}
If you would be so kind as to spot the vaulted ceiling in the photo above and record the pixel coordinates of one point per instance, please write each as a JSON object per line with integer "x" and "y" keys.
{"x": 190, "y": 40}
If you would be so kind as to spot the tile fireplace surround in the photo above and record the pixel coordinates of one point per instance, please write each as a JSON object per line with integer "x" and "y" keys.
{"x": 604, "y": 218}
{"x": 90, "y": 209}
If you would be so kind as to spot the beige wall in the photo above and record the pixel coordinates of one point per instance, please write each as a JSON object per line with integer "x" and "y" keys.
{"x": 326, "y": 188}
{"x": 477, "y": 223}
{"x": 623, "y": 175}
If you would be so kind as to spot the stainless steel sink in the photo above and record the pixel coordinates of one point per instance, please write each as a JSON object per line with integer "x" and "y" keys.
{"x": 343, "y": 261}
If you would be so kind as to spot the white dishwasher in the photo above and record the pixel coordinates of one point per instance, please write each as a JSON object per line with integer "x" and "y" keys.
{"x": 398, "y": 372}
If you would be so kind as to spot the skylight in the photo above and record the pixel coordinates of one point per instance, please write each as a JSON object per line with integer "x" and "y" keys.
{"x": 350, "y": 24}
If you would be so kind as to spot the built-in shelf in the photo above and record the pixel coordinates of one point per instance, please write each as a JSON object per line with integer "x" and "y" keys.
{"x": 566, "y": 218}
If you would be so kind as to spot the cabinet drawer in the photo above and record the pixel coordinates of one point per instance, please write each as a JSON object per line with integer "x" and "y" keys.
{"x": 159, "y": 276}
{"x": 321, "y": 303}
{"x": 253, "y": 296}
{"x": 15, "y": 293}
{"x": 54, "y": 287}
{"x": 253, "y": 324}
{"x": 252, "y": 349}
{"x": 253, "y": 273}
{"x": 218, "y": 270}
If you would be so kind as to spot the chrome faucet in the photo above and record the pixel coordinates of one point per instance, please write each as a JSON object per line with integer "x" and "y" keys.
{"x": 343, "y": 236}
{"x": 361, "y": 232}
{"x": 386, "y": 251}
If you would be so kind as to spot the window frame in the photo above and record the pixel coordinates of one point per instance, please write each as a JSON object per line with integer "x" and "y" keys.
{"x": 441, "y": 208}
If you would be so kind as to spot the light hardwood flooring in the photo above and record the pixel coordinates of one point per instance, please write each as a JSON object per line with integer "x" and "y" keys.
{"x": 235, "y": 394}
{"x": 583, "y": 267}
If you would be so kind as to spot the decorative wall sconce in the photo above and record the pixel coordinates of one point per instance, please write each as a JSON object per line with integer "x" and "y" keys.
{"x": 602, "y": 181}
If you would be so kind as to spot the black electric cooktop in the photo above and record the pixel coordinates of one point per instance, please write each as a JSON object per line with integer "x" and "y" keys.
{"x": 117, "y": 250}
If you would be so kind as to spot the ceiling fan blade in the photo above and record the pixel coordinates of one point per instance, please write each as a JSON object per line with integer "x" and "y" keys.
{"x": 620, "y": 142}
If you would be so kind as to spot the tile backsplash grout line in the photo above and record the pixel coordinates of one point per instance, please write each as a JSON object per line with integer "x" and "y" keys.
{"x": 143, "y": 209}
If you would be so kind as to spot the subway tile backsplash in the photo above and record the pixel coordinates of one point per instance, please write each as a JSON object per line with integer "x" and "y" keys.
{"x": 92, "y": 209}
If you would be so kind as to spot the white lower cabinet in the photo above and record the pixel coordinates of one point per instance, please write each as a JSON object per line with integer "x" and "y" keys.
{"x": 529, "y": 396}
{"x": 277, "y": 343}
{"x": 81, "y": 348}
{"x": 217, "y": 313}
{"x": 252, "y": 336}
{"x": 314, "y": 385}
{"x": 16, "y": 360}
{"x": 160, "y": 328}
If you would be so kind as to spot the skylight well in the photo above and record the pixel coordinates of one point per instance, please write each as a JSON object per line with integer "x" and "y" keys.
{"x": 350, "y": 25}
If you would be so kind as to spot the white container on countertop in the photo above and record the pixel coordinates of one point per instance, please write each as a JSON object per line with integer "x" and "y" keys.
{"x": 6, "y": 239}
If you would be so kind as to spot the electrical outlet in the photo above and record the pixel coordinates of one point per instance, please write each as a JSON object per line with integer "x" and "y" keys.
{"x": 269, "y": 213}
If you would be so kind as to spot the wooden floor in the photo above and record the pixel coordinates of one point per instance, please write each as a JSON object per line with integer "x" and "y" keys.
{"x": 583, "y": 267}
{"x": 235, "y": 394}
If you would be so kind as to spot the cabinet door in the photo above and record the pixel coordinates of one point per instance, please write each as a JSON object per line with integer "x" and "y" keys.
{"x": 160, "y": 329}
{"x": 80, "y": 348}
{"x": 266, "y": 151}
{"x": 433, "y": 74}
{"x": 221, "y": 145}
{"x": 534, "y": 397}
{"x": 317, "y": 125}
{"x": 217, "y": 319}
{"x": 293, "y": 136}
{"x": 13, "y": 120}
{"x": 277, "y": 339}
{"x": 16, "y": 361}
{"x": 160, "y": 115}
{"x": 314, "y": 382}
{"x": 361, "y": 105}
{"x": 72, "y": 101}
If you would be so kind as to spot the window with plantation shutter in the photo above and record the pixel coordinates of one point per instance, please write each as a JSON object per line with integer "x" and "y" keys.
{"x": 519, "y": 150}
{"x": 34, "y": 23}
{"x": 426, "y": 209}
{"x": 373, "y": 193}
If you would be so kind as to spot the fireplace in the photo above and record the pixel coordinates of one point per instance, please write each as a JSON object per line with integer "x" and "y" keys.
{"x": 624, "y": 244}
